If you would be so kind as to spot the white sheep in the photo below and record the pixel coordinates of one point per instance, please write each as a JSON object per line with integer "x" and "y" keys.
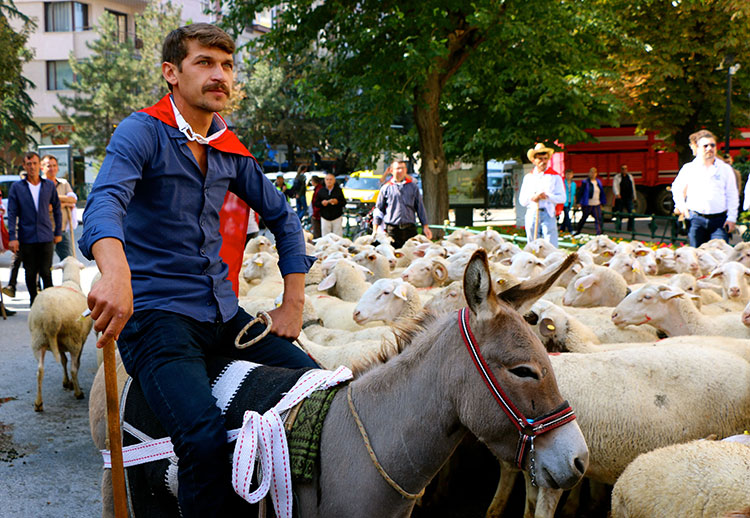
{"x": 375, "y": 262}
{"x": 665, "y": 260}
{"x": 540, "y": 248}
{"x": 460, "y": 237}
{"x": 524, "y": 265}
{"x": 449, "y": 298}
{"x": 259, "y": 244}
{"x": 487, "y": 239}
{"x": 388, "y": 300}
{"x": 733, "y": 277}
{"x": 601, "y": 247}
{"x": 669, "y": 310}
{"x": 634, "y": 400}
{"x": 349, "y": 355}
{"x": 595, "y": 286}
{"x": 426, "y": 272}
{"x": 740, "y": 253}
{"x": 698, "y": 479}
{"x": 261, "y": 276}
{"x": 346, "y": 281}
{"x": 686, "y": 261}
{"x": 627, "y": 265}
{"x": 56, "y": 325}
{"x": 504, "y": 251}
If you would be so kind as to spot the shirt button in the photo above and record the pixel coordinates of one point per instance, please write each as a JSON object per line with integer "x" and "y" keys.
{"x": 203, "y": 251}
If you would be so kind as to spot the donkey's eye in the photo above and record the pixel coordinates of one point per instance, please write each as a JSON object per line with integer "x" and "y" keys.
{"x": 524, "y": 372}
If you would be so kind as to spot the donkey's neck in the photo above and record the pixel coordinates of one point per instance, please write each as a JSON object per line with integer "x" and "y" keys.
{"x": 409, "y": 415}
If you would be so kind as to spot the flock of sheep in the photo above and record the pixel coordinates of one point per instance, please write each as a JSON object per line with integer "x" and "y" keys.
{"x": 650, "y": 347}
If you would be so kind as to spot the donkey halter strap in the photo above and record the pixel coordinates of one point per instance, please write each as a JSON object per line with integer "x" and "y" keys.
{"x": 528, "y": 429}
{"x": 371, "y": 452}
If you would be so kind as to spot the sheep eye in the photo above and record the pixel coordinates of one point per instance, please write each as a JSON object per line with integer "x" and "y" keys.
{"x": 524, "y": 372}
{"x": 386, "y": 293}
{"x": 647, "y": 297}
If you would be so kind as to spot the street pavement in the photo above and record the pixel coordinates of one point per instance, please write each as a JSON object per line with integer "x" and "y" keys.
{"x": 49, "y": 467}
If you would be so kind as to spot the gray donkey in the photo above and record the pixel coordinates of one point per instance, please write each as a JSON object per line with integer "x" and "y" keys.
{"x": 417, "y": 405}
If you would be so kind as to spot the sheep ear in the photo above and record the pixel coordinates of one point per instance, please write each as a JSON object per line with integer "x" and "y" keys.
{"x": 667, "y": 292}
{"x": 57, "y": 266}
{"x": 327, "y": 283}
{"x": 547, "y": 327}
{"x": 477, "y": 284}
{"x": 606, "y": 264}
{"x": 401, "y": 290}
{"x": 747, "y": 271}
{"x": 716, "y": 273}
{"x": 506, "y": 261}
{"x": 585, "y": 282}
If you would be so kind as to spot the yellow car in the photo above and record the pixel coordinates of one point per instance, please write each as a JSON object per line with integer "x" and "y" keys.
{"x": 362, "y": 188}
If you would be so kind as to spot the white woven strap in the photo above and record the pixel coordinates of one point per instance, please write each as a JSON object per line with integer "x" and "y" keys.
{"x": 263, "y": 436}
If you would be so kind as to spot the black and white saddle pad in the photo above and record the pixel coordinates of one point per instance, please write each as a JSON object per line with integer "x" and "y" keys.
{"x": 238, "y": 386}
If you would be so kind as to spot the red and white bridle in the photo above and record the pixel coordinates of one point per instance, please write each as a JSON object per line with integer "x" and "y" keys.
{"x": 527, "y": 428}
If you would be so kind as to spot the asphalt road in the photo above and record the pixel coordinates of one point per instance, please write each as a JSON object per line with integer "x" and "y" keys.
{"x": 49, "y": 466}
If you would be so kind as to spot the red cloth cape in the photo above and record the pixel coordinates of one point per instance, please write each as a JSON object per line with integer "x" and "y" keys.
{"x": 234, "y": 212}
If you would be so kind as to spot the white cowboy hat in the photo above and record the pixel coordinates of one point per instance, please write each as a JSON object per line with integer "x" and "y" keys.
{"x": 539, "y": 148}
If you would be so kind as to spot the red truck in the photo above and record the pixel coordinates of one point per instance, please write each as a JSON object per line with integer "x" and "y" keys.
{"x": 653, "y": 170}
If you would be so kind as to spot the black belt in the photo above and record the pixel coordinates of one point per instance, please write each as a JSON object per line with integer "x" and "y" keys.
{"x": 710, "y": 216}
{"x": 401, "y": 226}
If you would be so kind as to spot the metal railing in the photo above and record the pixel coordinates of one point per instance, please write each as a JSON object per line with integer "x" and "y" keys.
{"x": 660, "y": 228}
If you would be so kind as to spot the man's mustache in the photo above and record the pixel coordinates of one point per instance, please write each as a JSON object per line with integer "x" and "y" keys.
{"x": 216, "y": 86}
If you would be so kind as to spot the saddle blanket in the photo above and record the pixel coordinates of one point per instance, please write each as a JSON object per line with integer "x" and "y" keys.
{"x": 249, "y": 397}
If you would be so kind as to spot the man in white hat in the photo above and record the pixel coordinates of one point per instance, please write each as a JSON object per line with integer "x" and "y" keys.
{"x": 541, "y": 191}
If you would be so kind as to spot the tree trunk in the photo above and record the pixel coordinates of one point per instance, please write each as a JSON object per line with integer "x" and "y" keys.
{"x": 434, "y": 169}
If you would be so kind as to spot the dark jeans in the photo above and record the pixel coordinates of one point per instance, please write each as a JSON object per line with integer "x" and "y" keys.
{"x": 400, "y": 235}
{"x": 702, "y": 230}
{"x": 62, "y": 248}
{"x": 37, "y": 260}
{"x": 567, "y": 223}
{"x": 301, "y": 206}
{"x": 626, "y": 206}
{"x": 316, "y": 231}
{"x": 166, "y": 352}
{"x": 596, "y": 211}
{"x": 17, "y": 260}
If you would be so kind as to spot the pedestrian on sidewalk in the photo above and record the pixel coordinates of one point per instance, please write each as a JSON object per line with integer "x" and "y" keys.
{"x": 592, "y": 199}
{"x": 331, "y": 202}
{"x": 623, "y": 189}
{"x": 398, "y": 206}
{"x": 68, "y": 201}
{"x": 570, "y": 199}
{"x": 541, "y": 191}
{"x": 29, "y": 225}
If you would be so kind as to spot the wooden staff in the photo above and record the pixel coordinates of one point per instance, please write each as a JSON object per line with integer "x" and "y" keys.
{"x": 113, "y": 425}
{"x": 69, "y": 211}
{"x": 536, "y": 220}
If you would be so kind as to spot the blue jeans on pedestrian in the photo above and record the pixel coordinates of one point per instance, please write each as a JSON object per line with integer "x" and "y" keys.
{"x": 166, "y": 352}
{"x": 704, "y": 229}
{"x": 301, "y": 206}
{"x": 567, "y": 223}
{"x": 593, "y": 210}
{"x": 63, "y": 247}
{"x": 547, "y": 226}
{"x": 627, "y": 206}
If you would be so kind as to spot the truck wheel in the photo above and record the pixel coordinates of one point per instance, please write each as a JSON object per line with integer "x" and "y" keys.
{"x": 639, "y": 203}
{"x": 663, "y": 202}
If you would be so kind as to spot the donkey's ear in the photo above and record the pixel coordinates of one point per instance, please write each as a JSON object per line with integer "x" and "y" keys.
{"x": 477, "y": 283}
{"x": 521, "y": 296}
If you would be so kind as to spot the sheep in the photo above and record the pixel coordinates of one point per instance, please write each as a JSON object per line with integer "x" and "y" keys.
{"x": 560, "y": 331}
{"x": 426, "y": 272}
{"x": 56, "y": 324}
{"x": 665, "y": 261}
{"x": 261, "y": 276}
{"x": 487, "y": 239}
{"x": 669, "y": 310}
{"x": 698, "y": 479}
{"x": 584, "y": 258}
{"x": 734, "y": 284}
{"x": 540, "y": 248}
{"x": 524, "y": 265}
{"x": 348, "y": 355}
{"x": 746, "y": 315}
{"x": 628, "y": 266}
{"x": 388, "y": 300}
{"x": 647, "y": 259}
{"x": 601, "y": 247}
{"x": 376, "y": 263}
{"x": 595, "y": 286}
{"x": 459, "y": 237}
{"x": 347, "y": 281}
{"x": 686, "y": 261}
{"x": 450, "y": 298}
{"x": 504, "y": 251}
{"x": 259, "y": 244}
{"x": 662, "y": 395}
{"x": 691, "y": 286}
{"x": 334, "y": 312}
{"x": 740, "y": 253}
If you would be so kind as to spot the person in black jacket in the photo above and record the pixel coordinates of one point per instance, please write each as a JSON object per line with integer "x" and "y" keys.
{"x": 299, "y": 191}
{"x": 330, "y": 200}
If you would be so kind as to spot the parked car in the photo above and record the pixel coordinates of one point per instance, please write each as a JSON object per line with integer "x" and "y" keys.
{"x": 6, "y": 181}
{"x": 499, "y": 189}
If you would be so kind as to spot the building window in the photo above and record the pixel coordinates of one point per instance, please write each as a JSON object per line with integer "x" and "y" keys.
{"x": 59, "y": 75}
{"x": 66, "y": 17}
{"x": 121, "y": 25}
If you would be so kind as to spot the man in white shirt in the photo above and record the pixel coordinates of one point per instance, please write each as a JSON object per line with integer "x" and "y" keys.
{"x": 541, "y": 190}
{"x": 705, "y": 191}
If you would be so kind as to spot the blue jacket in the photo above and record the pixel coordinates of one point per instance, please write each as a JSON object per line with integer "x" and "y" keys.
{"x": 27, "y": 224}
{"x": 587, "y": 190}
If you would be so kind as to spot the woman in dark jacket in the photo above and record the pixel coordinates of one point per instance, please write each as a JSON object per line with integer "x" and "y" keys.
{"x": 330, "y": 200}
{"x": 592, "y": 199}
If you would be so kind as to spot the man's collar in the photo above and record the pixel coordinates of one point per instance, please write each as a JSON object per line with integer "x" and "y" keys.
{"x": 225, "y": 141}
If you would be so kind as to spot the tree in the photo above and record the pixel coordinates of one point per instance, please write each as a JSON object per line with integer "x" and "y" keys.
{"x": 119, "y": 78}
{"x": 371, "y": 62}
{"x": 15, "y": 104}
{"x": 673, "y": 66}
{"x": 272, "y": 108}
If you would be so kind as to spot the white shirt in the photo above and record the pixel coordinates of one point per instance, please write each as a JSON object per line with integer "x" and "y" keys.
{"x": 746, "y": 205}
{"x": 706, "y": 189}
{"x": 35, "y": 193}
{"x": 537, "y": 182}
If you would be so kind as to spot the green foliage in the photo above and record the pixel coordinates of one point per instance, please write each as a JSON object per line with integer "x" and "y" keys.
{"x": 118, "y": 78}
{"x": 15, "y": 104}
{"x": 674, "y": 69}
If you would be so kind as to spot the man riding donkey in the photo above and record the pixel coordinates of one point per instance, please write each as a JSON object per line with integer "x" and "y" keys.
{"x": 152, "y": 224}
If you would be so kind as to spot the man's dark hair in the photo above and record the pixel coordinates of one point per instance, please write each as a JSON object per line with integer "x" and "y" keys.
{"x": 29, "y": 155}
{"x": 174, "y": 50}
{"x": 53, "y": 157}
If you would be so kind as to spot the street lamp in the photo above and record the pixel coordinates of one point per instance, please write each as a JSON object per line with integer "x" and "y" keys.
{"x": 732, "y": 69}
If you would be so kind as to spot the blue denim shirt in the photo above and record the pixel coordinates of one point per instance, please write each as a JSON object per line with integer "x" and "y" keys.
{"x": 27, "y": 224}
{"x": 151, "y": 195}
{"x": 397, "y": 203}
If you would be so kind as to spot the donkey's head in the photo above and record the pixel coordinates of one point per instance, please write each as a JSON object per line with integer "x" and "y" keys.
{"x": 517, "y": 364}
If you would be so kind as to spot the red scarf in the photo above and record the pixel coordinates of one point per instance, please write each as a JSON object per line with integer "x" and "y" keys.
{"x": 226, "y": 142}
{"x": 559, "y": 206}
{"x": 234, "y": 211}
